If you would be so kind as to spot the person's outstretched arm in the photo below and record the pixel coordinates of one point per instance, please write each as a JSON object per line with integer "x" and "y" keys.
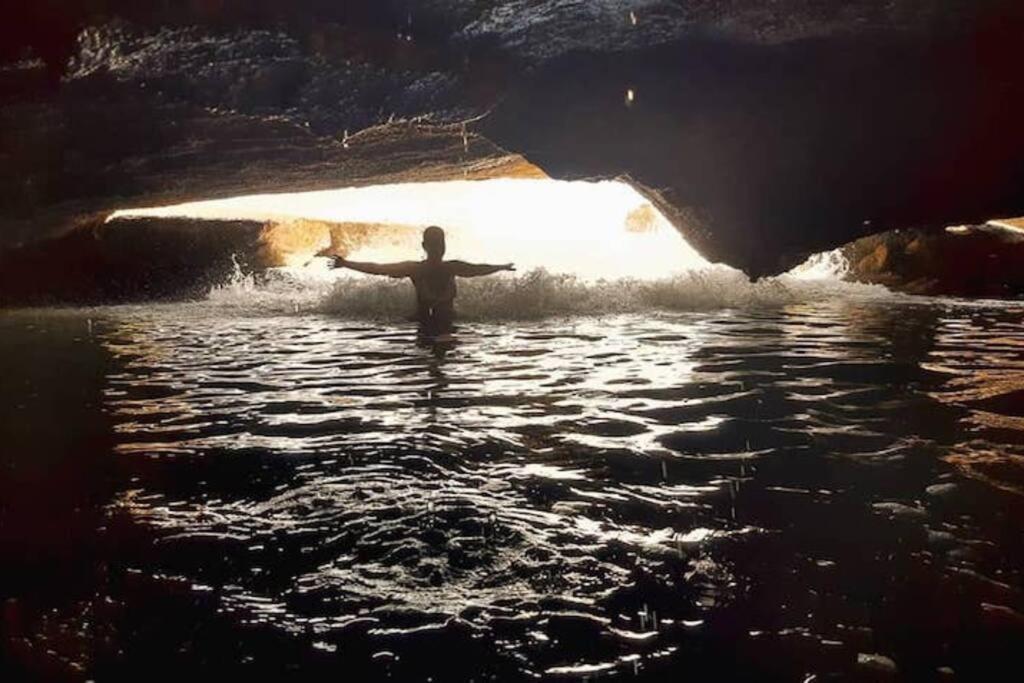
{"x": 463, "y": 269}
{"x": 401, "y": 269}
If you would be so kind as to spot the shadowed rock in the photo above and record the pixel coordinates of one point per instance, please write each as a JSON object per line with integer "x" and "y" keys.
{"x": 126, "y": 260}
{"x": 761, "y": 154}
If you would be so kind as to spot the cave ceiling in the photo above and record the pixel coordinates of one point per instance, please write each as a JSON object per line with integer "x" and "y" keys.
{"x": 764, "y": 131}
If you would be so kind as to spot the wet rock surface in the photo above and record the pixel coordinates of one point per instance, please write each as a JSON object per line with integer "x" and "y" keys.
{"x": 978, "y": 261}
{"x": 765, "y": 133}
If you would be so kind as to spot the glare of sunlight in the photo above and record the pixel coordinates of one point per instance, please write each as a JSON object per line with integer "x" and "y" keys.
{"x": 1011, "y": 224}
{"x": 591, "y": 229}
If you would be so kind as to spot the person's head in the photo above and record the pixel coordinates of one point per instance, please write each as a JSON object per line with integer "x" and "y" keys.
{"x": 433, "y": 242}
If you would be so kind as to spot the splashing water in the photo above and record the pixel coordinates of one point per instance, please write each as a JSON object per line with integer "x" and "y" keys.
{"x": 827, "y": 265}
{"x": 536, "y": 293}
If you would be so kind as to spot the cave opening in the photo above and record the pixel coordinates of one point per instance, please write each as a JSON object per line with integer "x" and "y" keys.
{"x": 580, "y": 245}
{"x": 590, "y": 230}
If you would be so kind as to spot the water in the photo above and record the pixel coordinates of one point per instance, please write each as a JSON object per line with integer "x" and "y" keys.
{"x": 789, "y": 482}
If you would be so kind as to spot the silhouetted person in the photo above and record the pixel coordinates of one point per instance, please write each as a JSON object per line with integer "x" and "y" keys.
{"x": 434, "y": 279}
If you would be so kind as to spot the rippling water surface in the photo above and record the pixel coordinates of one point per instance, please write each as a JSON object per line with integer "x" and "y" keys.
{"x": 818, "y": 489}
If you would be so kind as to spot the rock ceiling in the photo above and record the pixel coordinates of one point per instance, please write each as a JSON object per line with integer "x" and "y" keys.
{"x": 764, "y": 131}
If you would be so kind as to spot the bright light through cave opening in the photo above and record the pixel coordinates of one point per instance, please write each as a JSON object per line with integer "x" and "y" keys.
{"x": 588, "y": 229}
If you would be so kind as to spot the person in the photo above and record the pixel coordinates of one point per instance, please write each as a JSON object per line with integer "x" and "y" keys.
{"x": 433, "y": 278}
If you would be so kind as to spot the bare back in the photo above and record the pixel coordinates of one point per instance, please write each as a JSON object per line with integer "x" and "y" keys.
{"x": 435, "y": 283}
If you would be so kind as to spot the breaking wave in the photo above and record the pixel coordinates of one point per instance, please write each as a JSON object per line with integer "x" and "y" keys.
{"x": 539, "y": 293}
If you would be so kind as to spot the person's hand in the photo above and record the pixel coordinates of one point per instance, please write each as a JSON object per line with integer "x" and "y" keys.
{"x": 336, "y": 261}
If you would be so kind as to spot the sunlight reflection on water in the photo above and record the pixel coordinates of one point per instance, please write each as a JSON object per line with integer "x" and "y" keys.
{"x": 799, "y": 488}
{"x": 574, "y": 496}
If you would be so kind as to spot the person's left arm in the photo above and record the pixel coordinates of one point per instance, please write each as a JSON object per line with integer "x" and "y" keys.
{"x": 464, "y": 269}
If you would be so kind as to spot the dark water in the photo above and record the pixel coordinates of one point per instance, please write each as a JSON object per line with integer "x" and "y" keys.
{"x": 827, "y": 491}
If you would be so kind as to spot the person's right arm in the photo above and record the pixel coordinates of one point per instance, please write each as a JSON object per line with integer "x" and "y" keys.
{"x": 401, "y": 269}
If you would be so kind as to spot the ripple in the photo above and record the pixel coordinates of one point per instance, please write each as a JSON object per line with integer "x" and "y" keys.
{"x": 793, "y": 490}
